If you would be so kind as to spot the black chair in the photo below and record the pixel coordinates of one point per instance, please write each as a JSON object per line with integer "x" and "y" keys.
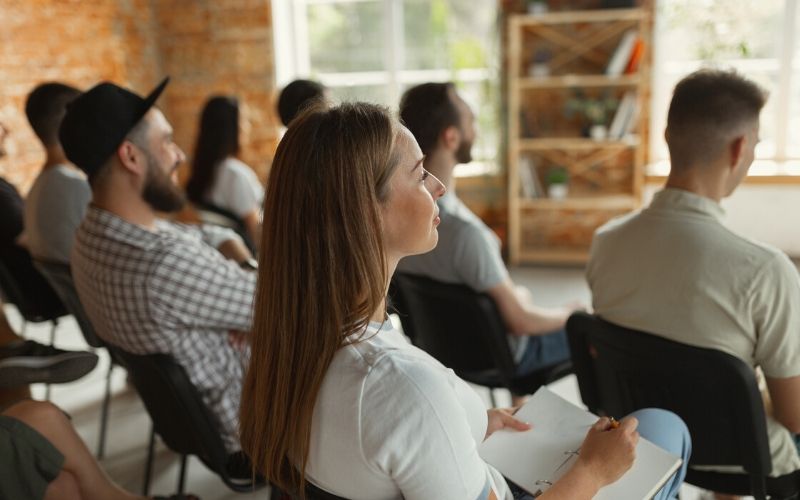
{"x": 23, "y": 285}
{"x": 59, "y": 276}
{"x": 621, "y": 370}
{"x": 182, "y": 420}
{"x": 463, "y": 329}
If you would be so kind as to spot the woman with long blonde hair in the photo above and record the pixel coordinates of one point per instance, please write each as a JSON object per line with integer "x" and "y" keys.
{"x": 334, "y": 395}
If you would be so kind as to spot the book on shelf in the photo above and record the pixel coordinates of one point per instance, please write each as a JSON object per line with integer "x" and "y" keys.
{"x": 537, "y": 458}
{"x": 622, "y": 54}
{"x": 636, "y": 56}
{"x": 529, "y": 180}
{"x": 625, "y": 116}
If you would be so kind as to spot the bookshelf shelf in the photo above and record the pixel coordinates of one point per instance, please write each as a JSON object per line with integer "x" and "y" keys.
{"x": 617, "y": 202}
{"x": 582, "y": 16}
{"x": 589, "y": 57}
{"x": 547, "y": 143}
{"x": 568, "y": 81}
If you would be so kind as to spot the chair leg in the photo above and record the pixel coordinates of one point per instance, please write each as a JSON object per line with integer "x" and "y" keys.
{"x": 148, "y": 468}
{"x": 182, "y": 475}
{"x": 492, "y": 397}
{"x": 52, "y": 340}
{"x": 101, "y": 442}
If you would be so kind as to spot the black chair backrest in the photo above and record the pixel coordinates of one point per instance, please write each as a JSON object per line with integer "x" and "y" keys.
{"x": 461, "y": 328}
{"x": 25, "y": 287}
{"x": 621, "y": 370}
{"x": 59, "y": 276}
{"x": 178, "y": 413}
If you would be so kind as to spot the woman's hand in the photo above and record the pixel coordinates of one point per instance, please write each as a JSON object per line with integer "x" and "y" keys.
{"x": 607, "y": 452}
{"x": 503, "y": 418}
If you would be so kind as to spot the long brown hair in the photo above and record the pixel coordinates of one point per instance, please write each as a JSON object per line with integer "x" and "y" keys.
{"x": 322, "y": 274}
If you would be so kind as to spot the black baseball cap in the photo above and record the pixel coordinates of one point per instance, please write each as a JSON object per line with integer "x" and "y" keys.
{"x": 98, "y": 120}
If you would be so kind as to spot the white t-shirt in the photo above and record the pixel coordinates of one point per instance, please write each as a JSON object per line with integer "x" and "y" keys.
{"x": 236, "y": 188}
{"x": 391, "y": 422}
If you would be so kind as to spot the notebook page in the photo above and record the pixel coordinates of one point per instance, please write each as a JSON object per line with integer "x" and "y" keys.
{"x": 558, "y": 428}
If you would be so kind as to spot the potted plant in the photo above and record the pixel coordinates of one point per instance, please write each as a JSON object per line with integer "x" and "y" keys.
{"x": 537, "y": 7}
{"x": 540, "y": 63}
{"x": 557, "y": 182}
{"x": 594, "y": 112}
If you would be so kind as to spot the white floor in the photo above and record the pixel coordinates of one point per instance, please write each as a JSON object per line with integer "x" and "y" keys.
{"x": 129, "y": 424}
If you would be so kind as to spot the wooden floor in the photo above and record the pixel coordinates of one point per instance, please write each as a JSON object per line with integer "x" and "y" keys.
{"x": 129, "y": 424}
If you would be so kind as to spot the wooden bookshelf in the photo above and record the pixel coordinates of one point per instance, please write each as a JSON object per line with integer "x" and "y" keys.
{"x": 606, "y": 176}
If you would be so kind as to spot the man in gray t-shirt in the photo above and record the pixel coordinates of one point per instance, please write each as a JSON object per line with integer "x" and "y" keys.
{"x": 468, "y": 251}
{"x": 57, "y": 202}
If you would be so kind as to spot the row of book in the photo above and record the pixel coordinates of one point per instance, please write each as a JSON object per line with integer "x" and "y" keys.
{"x": 627, "y": 56}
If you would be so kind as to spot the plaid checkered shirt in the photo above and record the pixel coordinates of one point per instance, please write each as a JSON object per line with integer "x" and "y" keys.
{"x": 169, "y": 291}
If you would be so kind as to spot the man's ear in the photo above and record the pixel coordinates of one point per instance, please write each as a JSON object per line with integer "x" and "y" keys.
{"x": 736, "y": 149}
{"x": 130, "y": 157}
{"x": 451, "y": 137}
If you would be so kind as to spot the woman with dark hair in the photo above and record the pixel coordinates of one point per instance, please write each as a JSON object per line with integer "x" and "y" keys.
{"x": 334, "y": 395}
{"x": 219, "y": 180}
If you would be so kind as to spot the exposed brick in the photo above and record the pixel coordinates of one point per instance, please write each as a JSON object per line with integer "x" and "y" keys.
{"x": 205, "y": 46}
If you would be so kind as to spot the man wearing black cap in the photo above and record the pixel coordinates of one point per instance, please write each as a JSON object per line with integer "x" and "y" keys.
{"x": 149, "y": 285}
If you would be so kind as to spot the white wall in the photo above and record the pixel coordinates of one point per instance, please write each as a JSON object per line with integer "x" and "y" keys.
{"x": 770, "y": 214}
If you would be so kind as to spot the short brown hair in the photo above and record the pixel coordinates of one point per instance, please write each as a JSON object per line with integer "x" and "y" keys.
{"x": 46, "y": 106}
{"x": 427, "y": 110}
{"x": 707, "y": 108}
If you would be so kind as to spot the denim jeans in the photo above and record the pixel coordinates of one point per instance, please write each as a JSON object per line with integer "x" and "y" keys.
{"x": 544, "y": 350}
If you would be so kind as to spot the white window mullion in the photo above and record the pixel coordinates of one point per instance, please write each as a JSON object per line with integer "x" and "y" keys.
{"x": 301, "y": 48}
{"x": 394, "y": 46}
{"x": 782, "y": 95}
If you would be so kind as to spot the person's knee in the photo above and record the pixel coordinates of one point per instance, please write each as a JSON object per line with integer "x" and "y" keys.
{"x": 665, "y": 429}
{"x": 63, "y": 486}
{"x": 37, "y": 414}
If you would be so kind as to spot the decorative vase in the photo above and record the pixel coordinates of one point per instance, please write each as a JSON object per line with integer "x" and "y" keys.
{"x": 598, "y": 132}
{"x": 557, "y": 191}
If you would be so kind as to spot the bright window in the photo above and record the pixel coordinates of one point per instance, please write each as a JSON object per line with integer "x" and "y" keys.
{"x": 756, "y": 38}
{"x": 372, "y": 50}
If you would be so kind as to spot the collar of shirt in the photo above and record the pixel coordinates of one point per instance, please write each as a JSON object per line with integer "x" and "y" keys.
{"x": 116, "y": 228}
{"x": 685, "y": 201}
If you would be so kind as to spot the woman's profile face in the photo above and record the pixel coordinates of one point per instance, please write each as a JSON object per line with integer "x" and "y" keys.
{"x": 410, "y": 214}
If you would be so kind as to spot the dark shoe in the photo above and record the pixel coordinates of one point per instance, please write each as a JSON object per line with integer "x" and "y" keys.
{"x": 30, "y": 362}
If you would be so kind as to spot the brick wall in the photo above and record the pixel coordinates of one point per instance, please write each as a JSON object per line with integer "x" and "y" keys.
{"x": 205, "y": 46}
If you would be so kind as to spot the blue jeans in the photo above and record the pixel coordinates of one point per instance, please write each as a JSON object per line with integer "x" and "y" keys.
{"x": 543, "y": 351}
{"x": 664, "y": 429}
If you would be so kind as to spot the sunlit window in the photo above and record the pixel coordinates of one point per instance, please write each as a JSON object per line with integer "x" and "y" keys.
{"x": 372, "y": 50}
{"x": 756, "y": 38}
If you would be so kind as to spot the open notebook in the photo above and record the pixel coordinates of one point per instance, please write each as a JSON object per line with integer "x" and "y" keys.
{"x": 536, "y": 458}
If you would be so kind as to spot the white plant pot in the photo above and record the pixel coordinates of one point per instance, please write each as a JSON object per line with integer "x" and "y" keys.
{"x": 598, "y": 132}
{"x": 539, "y": 70}
{"x": 557, "y": 191}
{"x": 537, "y": 8}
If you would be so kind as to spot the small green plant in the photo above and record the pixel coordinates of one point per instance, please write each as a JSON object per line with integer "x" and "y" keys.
{"x": 593, "y": 111}
{"x": 557, "y": 175}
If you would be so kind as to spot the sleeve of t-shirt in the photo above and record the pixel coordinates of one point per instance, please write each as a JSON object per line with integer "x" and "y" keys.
{"x": 214, "y": 236}
{"x": 246, "y": 193}
{"x": 776, "y": 314}
{"x": 477, "y": 259}
{"x": 415, "y": 431}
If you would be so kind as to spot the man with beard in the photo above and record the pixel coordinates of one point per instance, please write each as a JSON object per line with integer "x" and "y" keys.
{"x": 468, "y": 251}
{"x": 149, "y": 285}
